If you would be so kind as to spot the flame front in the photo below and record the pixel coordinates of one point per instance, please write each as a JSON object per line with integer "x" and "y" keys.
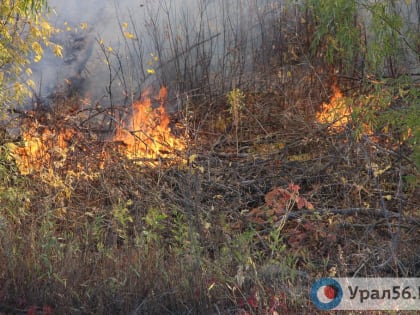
{"x": 45, "y": 149}
{"x": 147, "y": 135}
{"x": 336, "y": 113}
{"x": 54, "y": 145}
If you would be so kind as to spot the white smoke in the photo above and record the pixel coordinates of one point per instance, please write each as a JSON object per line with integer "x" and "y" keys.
{"x": 83, "y": 62}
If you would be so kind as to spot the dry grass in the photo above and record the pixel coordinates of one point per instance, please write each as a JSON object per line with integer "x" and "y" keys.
{"x": 101, "y": 234}
{"x": 198, "y": 237}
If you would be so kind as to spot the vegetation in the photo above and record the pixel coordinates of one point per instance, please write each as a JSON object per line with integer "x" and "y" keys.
{"x": 378, "y": 51}
{"x": 23, "y": 34}
{"x": 293, "y": 158}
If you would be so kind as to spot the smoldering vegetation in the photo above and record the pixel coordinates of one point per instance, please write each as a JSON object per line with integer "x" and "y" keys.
{"x": 255, "y": 198}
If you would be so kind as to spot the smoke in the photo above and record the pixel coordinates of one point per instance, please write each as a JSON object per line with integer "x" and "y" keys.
{"x": 79, "y": 23}
{"x": 171, "y": 36}
{"x": 196, "y": 41}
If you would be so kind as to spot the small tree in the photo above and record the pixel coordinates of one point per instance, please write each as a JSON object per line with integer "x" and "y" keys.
{"x": 24, "y": 32}
{"x": 369, "y": 35}
{"x": 371, "y": 39}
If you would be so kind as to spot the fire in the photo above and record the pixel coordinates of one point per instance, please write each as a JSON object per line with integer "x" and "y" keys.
{"x": 336, "y": 113}
{"x": 45, "y": 148}
{"x": 59, "y": 145}
{"x": 147, "y": 136}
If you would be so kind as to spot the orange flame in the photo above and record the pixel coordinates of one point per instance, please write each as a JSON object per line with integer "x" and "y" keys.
{"x": 147, "y": 135}
{"x": 336, "y": 113}
{"x": 45, "y": 149}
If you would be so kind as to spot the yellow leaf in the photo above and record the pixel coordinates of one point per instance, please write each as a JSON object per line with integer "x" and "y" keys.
{"x": 388, "y": 197}
{"x": 46, "y": 26}
{"x": 124, "y": 25}
{"x": 110, "y": 49}
{"x": 150, "y": 71}
{"x": 36, "y": 47}
{"x": 129, "y": 35}
{"x": 377, "y": 171}
{"x": 407, "y": 134}
{"x": 58, "y": 50}
{"x": 155, "y": 58}
{"x": 83, "y": 25}
{"x": 68, "y": 192}
{"x": 300, "y": 157}
{"x": 211, "y": 286}
{"x": 192, "y": 158}
{"x": 31, "y": 83}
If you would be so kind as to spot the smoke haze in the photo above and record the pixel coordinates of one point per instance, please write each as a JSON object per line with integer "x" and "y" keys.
{"x": 166, "y": 29}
